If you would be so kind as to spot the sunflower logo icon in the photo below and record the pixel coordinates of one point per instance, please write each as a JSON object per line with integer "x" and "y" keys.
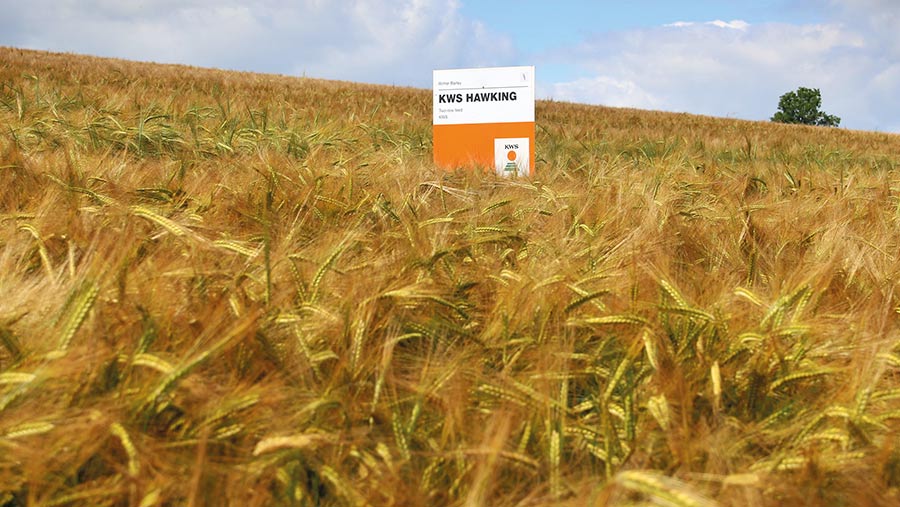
{"x": 511, "y": 165}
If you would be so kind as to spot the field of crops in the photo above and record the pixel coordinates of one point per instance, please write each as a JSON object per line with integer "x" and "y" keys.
{"x": 238, "y": 289}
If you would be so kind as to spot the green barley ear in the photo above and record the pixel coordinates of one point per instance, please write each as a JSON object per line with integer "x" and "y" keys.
{"x": 584, "y": 297}
{"x": 267, "y": 261}
{"x": 16, "y": 378}
{"x": 154, "y": 362}
{"x": 237, "y": 247}
{"x": 610, "y": 320}
{"x": 11, "y": 343}
{"x": 83, "y": 300}
{"x": 150, "y": 331}
{"x": 800, "y": 375}
{"x": 662, "y": 490}
{"x": 650, "y": 348}
{"x": 151, "y": 499}
{"x": 492, "y": 207}
{"x": 23, "y": 383}
{"x": 749, "y": 296}
{"x": 29, "y": 429}
{"x": 42, "y": 249}
{"x": 400, "y": 436}
{"x": 556, "y": 489}
{"x": 670, "y": 291}
{"x": 165, "y": 223}
{"x": 324, "y": 268}
{"x": 119, "y": 431}
{"x": 358, "y": 331}
{"x": 658, "y": 406}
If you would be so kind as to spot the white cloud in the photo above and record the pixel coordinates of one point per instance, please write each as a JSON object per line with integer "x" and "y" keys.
{"x": 738, "y": 69}
{"x": 680, "y": 24}
{"x": 364, "y": 40}
{"x": 879, "y": 19}
{"x": 736, "y": 24}
{"x": 604, "y": 89}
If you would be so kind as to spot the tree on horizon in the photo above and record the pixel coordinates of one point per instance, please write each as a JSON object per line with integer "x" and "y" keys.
{"x": 803, "y": 107}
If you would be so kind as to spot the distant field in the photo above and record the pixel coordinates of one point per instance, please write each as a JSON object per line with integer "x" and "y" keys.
{"x": 237, "y": 289}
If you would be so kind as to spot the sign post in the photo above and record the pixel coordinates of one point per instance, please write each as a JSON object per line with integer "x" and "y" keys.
{"x": 485, "y": 117}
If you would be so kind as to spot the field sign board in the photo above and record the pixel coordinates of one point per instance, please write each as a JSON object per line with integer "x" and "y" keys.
{"x": 485, "y": 117}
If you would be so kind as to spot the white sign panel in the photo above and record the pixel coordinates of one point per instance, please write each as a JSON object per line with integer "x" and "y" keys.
{"x": 475, "y": 96}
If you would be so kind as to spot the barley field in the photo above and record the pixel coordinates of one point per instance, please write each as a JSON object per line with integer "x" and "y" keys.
{"x": 225, "y": 288}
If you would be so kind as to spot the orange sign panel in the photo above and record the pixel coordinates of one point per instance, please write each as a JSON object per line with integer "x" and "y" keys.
{"x": 485, "y": 117}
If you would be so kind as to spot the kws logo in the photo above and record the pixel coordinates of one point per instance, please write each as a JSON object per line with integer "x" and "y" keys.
{"x": 511, "y": 156}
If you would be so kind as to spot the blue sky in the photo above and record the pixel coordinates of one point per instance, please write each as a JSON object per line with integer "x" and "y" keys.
{"x": 553, "y": 24}
{"x": 540, "y": 29}
{"x": 726, "y": 58}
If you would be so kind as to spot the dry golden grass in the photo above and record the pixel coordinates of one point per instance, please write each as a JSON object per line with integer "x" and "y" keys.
{"x": 239, "y": 289}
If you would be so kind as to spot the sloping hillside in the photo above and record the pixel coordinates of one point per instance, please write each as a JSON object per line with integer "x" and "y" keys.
{"x": 240, "y": 289}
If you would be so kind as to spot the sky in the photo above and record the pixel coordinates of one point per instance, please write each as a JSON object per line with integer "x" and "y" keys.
{"x": 729, "y": 58}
